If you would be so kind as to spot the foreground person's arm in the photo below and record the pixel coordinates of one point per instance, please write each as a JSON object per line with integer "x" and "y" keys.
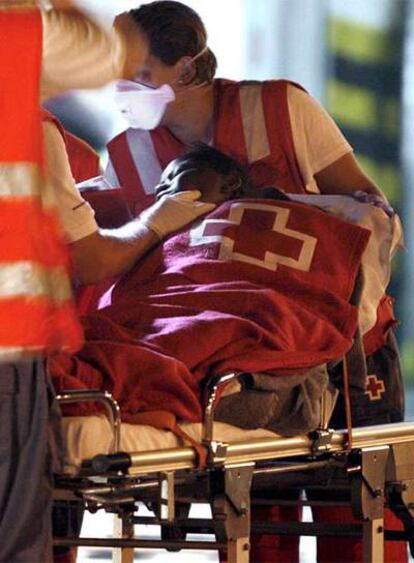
{"x": 108, "y": 253}
{"x": 78, "y": 53}
{"x": 99, "y": 254}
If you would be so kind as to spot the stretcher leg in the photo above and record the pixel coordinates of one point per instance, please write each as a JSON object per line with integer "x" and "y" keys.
{"x": 351, "y": 549}
{"x": 123, "y": 529}
{"x": 231, "y": 506}
{"x": 238, "y": 550}
{"x": 367, "y": 469}
{"x": 373, "y": 540}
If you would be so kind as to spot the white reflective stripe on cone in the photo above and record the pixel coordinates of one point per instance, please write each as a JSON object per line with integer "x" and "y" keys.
{"x": 254, "y": 124}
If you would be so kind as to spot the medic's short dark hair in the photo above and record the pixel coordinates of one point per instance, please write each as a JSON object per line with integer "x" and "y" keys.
{"x": 175, "y": 30}
{"x": 209, "y": 157}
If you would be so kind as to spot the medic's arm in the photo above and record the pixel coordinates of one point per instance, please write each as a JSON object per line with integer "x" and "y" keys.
{"x": 78, "y": 53}
{"x": 99, "y": 254}
{"x": 108, "y": 253}
{"x": 325, "y": 157}
{"x": 345, "y": 176}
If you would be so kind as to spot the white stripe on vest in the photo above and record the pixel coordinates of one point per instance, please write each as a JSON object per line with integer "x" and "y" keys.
{"x": 19, "y": 180}
{"x": 28, "y": 279}
{"x": 145, "y": 158}
{"x": 110, "y": 175}
{"x": 254, "y": 124}
{"x": 13, "y": 353}
{"x": 24, "y": 180}
{"x": 97, "y": 183}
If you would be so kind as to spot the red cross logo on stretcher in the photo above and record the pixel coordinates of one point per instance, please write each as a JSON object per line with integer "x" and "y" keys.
{"x": 374, "y": 388}
{"x": 210, "y": 231}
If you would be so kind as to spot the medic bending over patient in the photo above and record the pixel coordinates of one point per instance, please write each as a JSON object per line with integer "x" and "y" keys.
{"x": 285, "y": 138}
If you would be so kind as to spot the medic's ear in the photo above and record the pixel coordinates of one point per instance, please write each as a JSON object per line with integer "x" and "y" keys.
{"x": 187, "y": 70}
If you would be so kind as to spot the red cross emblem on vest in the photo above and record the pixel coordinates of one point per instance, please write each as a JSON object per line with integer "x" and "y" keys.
{"x": 243, "y": 249}
{"x": 374, "y": 388}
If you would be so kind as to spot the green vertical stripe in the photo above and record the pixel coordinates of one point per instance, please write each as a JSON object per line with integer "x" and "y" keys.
{"x": 363, "y": 109}
{"x": 359, "y": 42}
{"x": 387, "y": 176}
{"x": 351, "y": 105}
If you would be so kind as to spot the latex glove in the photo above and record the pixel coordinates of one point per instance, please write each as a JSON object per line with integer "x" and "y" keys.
{"x": 173, "y": 211}
{"x": 375, "y": 200}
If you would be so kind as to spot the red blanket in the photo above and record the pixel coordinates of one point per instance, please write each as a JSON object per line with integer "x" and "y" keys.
{"x": 258, "y": 285}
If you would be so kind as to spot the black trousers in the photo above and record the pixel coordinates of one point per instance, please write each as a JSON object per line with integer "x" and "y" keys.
{"x": 27, "y": 418}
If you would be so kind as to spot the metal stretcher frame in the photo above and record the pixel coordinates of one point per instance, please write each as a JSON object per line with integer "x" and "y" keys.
{"x": 378, "y": 471}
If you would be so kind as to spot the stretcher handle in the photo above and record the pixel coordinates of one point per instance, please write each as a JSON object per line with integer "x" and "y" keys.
{"x": 114, "y": 462}
{"x": 213, "y": 388}
{"x": 96, "y": 396}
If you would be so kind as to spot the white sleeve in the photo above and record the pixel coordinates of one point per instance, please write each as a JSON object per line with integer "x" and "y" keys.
{"x": 76, "y": 215}
{"x": 317, "y": 139}
{"x": 78, "y": 54}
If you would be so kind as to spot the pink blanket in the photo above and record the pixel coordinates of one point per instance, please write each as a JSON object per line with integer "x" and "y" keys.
{"x": 257, "y": 285}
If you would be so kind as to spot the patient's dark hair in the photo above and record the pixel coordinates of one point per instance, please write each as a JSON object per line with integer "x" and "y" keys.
{"x": 175, "y": 30}
{"x": 210, "y": 157}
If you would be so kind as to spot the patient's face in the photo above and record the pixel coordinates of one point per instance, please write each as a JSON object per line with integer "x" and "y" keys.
{"x": 183, "y": 174}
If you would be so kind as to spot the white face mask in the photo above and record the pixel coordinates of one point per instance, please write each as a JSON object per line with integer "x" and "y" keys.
{"x": 142, "y": 106}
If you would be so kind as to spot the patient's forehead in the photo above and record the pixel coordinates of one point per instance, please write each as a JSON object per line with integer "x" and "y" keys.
{"x": 181, "y": 164}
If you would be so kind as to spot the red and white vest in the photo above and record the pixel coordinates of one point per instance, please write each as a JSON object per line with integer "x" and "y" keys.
{"x": 36, "y": 309}
{"x": 251, "y": 124}
{"x": 83, "y": 159}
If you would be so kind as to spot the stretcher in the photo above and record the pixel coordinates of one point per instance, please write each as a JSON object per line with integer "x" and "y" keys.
{"x": 115, "y": 467}
{"x": 118, "y": 467}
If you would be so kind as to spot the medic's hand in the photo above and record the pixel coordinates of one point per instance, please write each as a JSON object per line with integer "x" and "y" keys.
{"x": 173, "y": 211}
{"x": 376, "y": 200}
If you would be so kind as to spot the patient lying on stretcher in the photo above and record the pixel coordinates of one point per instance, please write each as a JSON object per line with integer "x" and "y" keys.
{"x": 254, "y": 287}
